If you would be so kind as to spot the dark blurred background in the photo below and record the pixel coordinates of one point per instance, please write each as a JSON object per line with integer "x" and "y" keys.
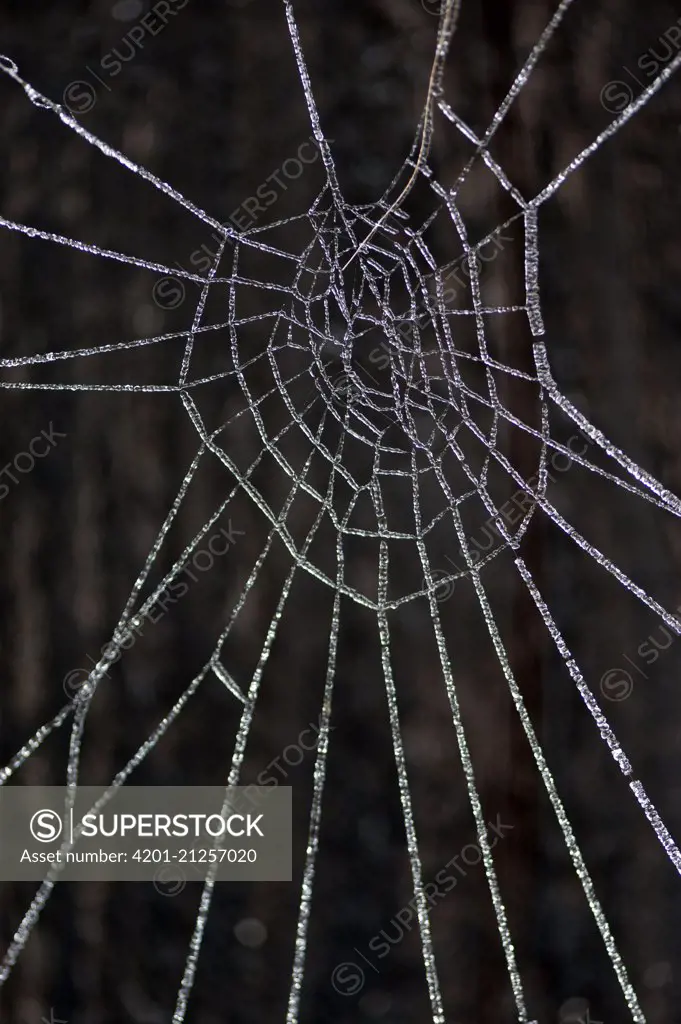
{"x": 212, "y": 104}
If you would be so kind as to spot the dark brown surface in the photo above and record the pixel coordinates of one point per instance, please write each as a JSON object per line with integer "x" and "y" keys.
{"x": 213, "y": 105}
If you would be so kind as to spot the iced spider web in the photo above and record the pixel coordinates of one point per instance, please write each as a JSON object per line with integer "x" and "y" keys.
{"x": 365, "y": 270}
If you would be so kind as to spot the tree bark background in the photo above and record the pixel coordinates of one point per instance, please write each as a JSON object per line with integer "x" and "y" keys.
{"x": 213, "y": 105}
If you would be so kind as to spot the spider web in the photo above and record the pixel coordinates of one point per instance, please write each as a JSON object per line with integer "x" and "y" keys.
{"x": 432, "y": 420}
